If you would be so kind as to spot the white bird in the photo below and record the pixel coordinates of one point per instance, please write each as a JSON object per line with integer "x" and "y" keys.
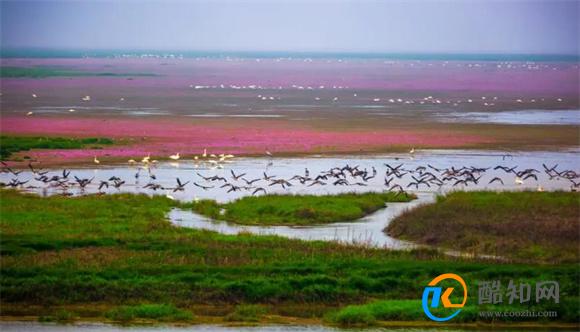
{"x": 540, "y": 188}
{"x": 412, "y": 151}
{"x": 29, "y": 113}
{"x": 96, "y": 161}
{"x": 131, "y": 161}
{"x": 518, "y": 181}
{"x": 72, "y": 110}
{"x": 204, "y": 153}
{"x": 34, "y": 95}
{"x": 87, "y": 98}
{"x": 146, "y": 159}
{"x": 269, "y": 154}
{"x": 174, "y": 156}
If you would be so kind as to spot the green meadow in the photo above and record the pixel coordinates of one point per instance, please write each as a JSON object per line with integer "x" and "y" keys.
{"x": 297, "y": 209}
{"x": 523, "y": 226}
{"x": 117, "y": 258}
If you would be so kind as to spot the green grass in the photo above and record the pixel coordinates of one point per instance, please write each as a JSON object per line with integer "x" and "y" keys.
{"x": 297, "y": 209}
{"x": 158, "y": 312}
{"x": 411, "y": 310}
{"x": 532, "y": 226}
{"x": 44, "y": 72}
{"x": 247, "y": 313}
{"x": 119, "y": 250}
{"x": 13, "y": 144}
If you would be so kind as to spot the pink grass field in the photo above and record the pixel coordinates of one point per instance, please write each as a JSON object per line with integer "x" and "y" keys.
{"x": 161, "y": 137}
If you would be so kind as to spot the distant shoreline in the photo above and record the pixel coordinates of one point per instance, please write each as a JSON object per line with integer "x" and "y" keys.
{"x": 81, "y": 53}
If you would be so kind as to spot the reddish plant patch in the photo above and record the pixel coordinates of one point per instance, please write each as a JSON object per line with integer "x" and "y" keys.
{"x": 164, "y": 136}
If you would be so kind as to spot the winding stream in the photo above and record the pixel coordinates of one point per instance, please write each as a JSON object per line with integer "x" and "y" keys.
{"x": 366, "y": 231}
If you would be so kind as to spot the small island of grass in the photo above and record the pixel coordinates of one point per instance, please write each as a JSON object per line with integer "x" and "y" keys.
{"x": 297, "y": 209}
{"x": 528, "y": 226}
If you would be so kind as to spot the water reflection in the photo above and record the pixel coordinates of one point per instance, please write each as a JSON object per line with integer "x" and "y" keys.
{"x": 87, "y": 327}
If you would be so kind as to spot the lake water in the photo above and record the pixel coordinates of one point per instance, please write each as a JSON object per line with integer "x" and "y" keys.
{"x": 165, "y": 174}
{"x": 522, "y": 117}
{"x": 38, "y": 327}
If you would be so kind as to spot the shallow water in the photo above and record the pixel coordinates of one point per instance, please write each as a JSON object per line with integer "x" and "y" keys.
{"x": 188, "y": 170}
{"x": 527, "y": 117}
{"x": 367, "y": 231}
{"x": 86, "y": 327}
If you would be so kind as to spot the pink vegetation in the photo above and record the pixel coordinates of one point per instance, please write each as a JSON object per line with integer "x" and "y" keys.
{"x": 166, "y": 136}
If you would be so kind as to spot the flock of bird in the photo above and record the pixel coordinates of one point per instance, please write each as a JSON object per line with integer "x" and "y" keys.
{"x": 395, "y": 178}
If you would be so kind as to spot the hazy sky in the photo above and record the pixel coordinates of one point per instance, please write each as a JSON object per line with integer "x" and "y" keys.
{"x": 468, "y": 26}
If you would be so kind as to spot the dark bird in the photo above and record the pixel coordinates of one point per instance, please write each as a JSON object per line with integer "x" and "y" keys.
{"x": 259, "y": 190}
{"x": 281, "y": 182}
{"x": 83, "y": 182}
{"x": 118, "y": 183}
{"x": 268, "y": 178}
{"x": 180, "y": 185}
{"x": 317, "y": 182}
{"x": 249, "y": 182}
{"x": 530, "y": 176}
{"x": 496, "y": 179}
{"x": 203, "y": 187}
{"x": 434, "y": 168}
{"x": 388, "y": 181}
{"x": 203, "y": 177}
{"x": 234, "y": 188}
{"x": 103, "y": 184}
{"x": 153, "y": 186}
{"x": 236, "y": 177}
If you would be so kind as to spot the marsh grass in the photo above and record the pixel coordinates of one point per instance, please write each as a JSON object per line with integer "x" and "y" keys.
{"x": 411, "y": 310}
{"x": 119, "y": 250}
{"x": 247, "y": 313}
{"x": 158, "y": 312}
{"x": 61, "y": 316}
{"x": 13, "y": 144}
{"x": 297, "y": 209}
{"x": 530, "y": 226}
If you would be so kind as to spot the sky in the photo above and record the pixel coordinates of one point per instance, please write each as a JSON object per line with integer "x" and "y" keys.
{"x": 407, "y": 26}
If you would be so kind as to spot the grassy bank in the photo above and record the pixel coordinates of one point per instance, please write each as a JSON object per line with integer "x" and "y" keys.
{"x": 13, "y": 144}
{"x": 297, "y": 209}
{"x": 108, "y": 256}
{"x": 533, "y": 226}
